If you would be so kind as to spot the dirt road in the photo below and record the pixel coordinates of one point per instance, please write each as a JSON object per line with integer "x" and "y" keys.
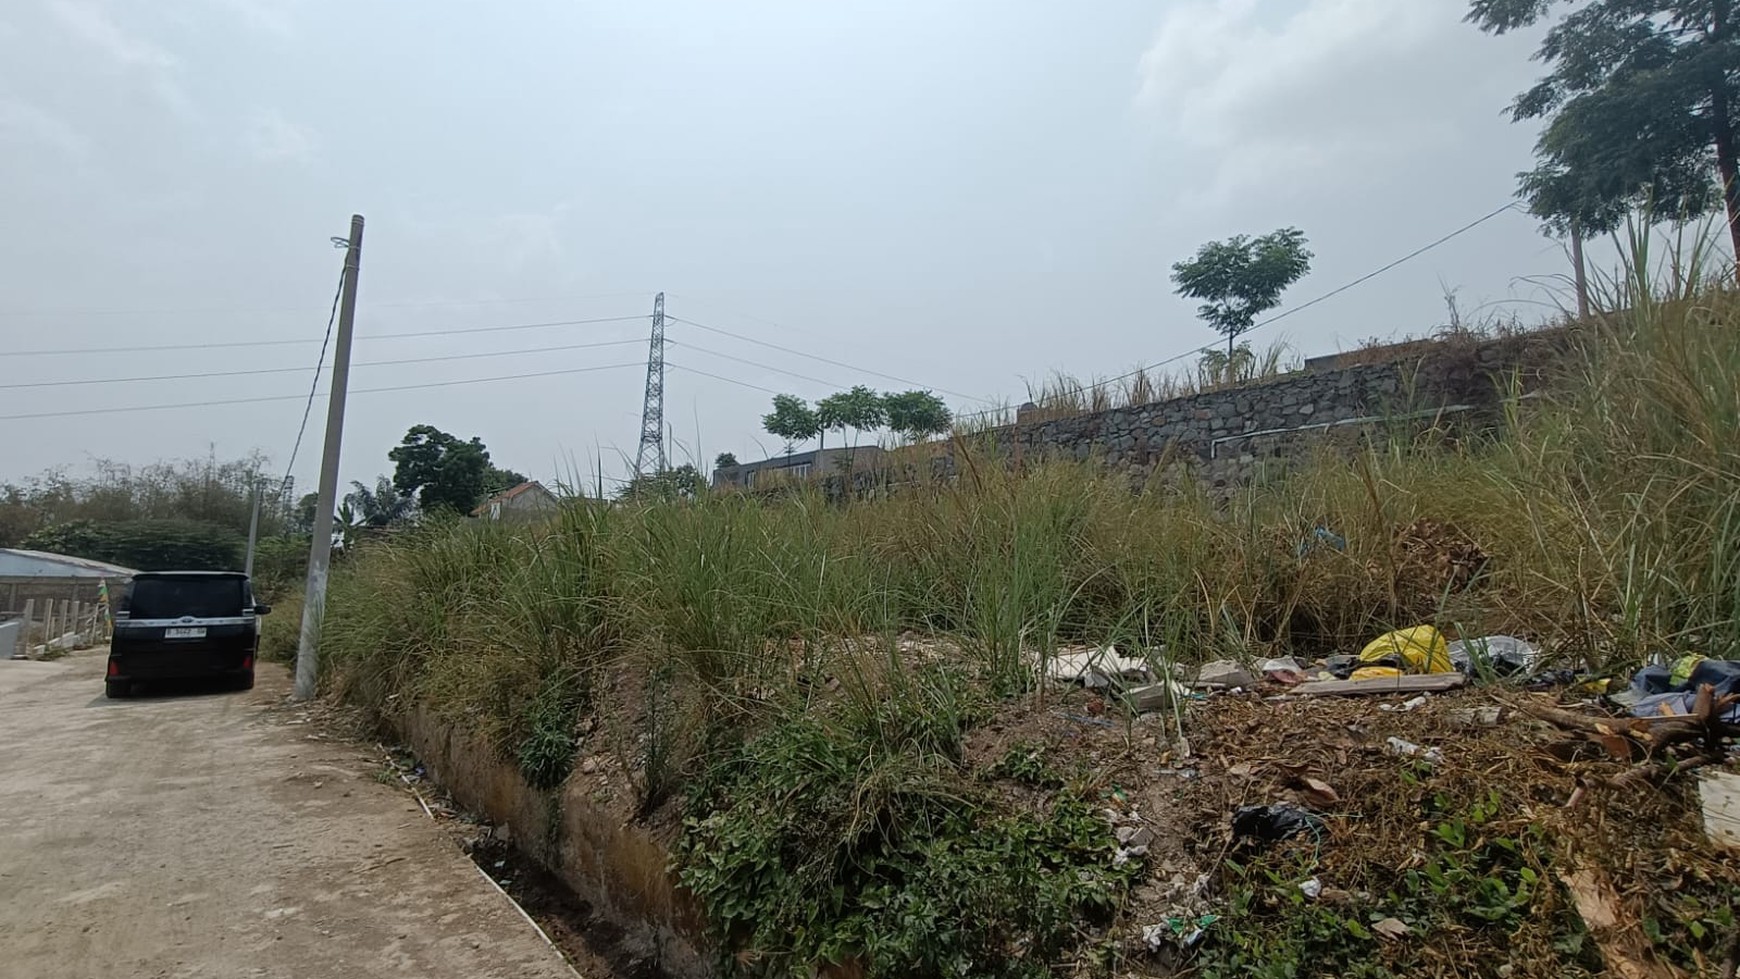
{"x": 221, "y": 835}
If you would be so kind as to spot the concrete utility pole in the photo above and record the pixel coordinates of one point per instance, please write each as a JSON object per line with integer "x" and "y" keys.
{"x": 253, "y": 530}
{"x": 320, "y": 551}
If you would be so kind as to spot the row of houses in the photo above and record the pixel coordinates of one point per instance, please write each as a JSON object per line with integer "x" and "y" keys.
{"x": 796, "y": 466}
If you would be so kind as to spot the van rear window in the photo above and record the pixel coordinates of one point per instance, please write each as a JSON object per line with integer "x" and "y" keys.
{"x": 172, "y": 598}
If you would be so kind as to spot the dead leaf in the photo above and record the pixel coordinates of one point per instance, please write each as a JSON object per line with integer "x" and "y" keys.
{"x": 1616, "y": 746}
{"x": 1320, "y": 792}
{"x": 1622, "y": 944}
{"x": 1594, "y": 901}
{"x": 1392, "y": 928}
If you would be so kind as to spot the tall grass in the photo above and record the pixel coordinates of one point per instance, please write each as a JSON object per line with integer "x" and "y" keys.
{"x": 850, "y": 644}
{"x": 1608, "y": 515}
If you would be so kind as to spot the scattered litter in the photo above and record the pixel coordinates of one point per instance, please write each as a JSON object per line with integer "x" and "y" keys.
{"x": 1420, "y": 649}
{"x": 1277, "y": 821}
{"x": 1285, "y": 669}
{"x": 1376, "y": 673}
{"x": 1226, "y": 673}
{"x": 1183, "y": 773}
{"x": 1157, "y": 696}
{"x": 1406, "y": 706}
{"x": 1127, "y": 853}
{"x": 1434, "y": 683}
{"x": 1392, "y": 928}
{"x": 1341, "y": 665}
{"x": 1311, "y": 888}
{"x": 1135, "y": 836}
{"x": 1177, "y": 930}
{"x": 1658, "y": 691}
{"x": 1084, "y": 719}
{"x": 1468, "y": 717}
{"x": 1683, "y": 668}
{"x": 1720, "y": 794}
{"x": 1320, "y": 537}
{"x": 1097, "y": 669}
{"x": 1408, "y": 749}
{"x": 1500, "y": 655}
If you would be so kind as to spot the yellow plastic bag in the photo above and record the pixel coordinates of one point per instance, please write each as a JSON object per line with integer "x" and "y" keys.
{"x": 1374, "y": 673}
{"x": 1423, "y": 648}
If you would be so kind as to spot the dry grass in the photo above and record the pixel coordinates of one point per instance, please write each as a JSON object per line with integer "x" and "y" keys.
{"x": 1603, "y": 524}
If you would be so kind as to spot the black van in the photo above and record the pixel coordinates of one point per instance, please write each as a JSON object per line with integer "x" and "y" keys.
{"x": 184, "y": 625}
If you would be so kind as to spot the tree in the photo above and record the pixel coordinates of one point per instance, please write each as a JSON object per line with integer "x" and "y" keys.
{"x": 792, "y": 419}
{"x": 146, "y": 545}
{"x": 859, "y": 409}
{"x": 1639, "y": 103}
{"x": 916, "y": 414}
{"x": 445, "y": 473}
{"x": 382, "y": 506}
{"x": 724, "y": 460}
{"x": 501, "y": 480}
{"x": 301, "y": 519}
{"x": 684, "y": 482}
{"x": 1241, "y": 278}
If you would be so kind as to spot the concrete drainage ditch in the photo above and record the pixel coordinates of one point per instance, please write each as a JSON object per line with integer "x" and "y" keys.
{"x": 601, "y": 890}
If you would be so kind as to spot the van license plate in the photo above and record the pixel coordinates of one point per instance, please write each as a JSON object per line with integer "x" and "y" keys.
{"x": 197, "y": 632}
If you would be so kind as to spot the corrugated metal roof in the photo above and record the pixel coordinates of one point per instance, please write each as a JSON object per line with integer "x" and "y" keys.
{"x": 16, "y": 563}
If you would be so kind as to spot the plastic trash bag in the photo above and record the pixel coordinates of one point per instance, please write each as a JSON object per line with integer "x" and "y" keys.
{"x": 1274, "y": 822}
{"x": 1502, "y": 655}
{"x": 1422, "y": 648}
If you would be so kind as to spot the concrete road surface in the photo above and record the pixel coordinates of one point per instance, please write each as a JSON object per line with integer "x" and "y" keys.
{"x": 220, "y": 835}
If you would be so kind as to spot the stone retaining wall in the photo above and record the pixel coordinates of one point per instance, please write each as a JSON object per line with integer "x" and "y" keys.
{"x": 1229, "y": 436}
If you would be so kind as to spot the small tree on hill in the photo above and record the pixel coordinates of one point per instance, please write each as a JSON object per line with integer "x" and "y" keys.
{"x": 916, "y": 414}
{"x": 792, "y": 420}
{"x": 724, "y": 460}
{"x": 859, "y": 409}
{"x": 1241, "y": 278}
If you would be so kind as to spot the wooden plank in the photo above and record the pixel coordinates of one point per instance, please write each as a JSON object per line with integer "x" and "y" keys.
{"x": 1427, "y": 683}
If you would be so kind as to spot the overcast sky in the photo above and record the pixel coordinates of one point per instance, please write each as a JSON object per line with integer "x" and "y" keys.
{"x": 962, "y": 195}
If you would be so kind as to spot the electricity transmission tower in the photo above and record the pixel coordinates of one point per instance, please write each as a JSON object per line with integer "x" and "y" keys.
{"x": 652, "y": 412}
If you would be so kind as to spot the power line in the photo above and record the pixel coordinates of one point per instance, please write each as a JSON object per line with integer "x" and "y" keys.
{"x": 280, "y": 343}
{"x": 1416, "y": 253}
{"x": 284, "y": 486}
{"x": 253, "y": 311}
{"x": 825, "y": 360}
{"x": 720, "y": 377}
{"x": 298, "y": 370}
{"x": 295, "y": 397}
{"x": 755, "y": 363}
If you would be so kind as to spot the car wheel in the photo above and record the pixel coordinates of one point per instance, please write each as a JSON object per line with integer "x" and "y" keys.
{"x": 117, "y": 689}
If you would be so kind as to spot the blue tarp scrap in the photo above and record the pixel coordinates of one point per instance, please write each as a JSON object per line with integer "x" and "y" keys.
{"x": 1658, "y": 694}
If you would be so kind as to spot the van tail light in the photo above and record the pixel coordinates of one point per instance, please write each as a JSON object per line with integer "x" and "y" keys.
{"x": 247, "y": 662}
{"x": 114, "y": 668}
